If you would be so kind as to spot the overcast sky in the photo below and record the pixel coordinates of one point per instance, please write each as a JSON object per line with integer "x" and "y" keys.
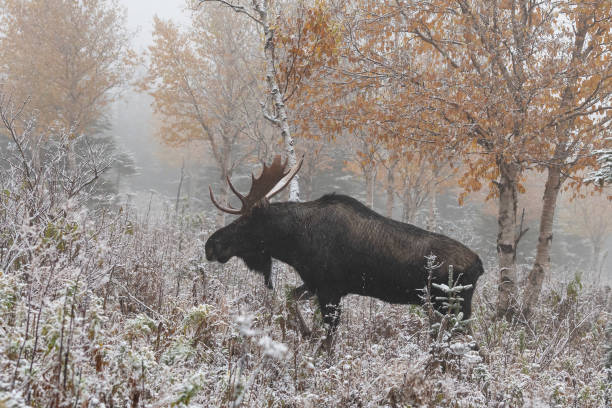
{"x": 140, "y": 16}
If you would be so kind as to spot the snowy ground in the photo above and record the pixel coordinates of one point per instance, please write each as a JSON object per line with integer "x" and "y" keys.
{"x": 119, "y": 308}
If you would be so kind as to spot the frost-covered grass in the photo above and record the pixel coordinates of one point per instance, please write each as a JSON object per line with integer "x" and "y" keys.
{"x": 123, "y": 311}
{"x": 118, "y": 308}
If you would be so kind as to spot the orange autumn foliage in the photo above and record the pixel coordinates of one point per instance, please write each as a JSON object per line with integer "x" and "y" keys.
{"x": 442, "y": 75}
{"x": 67, "y": 59}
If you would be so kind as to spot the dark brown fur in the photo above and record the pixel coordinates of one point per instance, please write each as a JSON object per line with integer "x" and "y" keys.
{"x": 339, "y": 246}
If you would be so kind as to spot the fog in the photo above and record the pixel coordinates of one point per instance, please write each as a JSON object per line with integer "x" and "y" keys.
{"x": 133, "y": 126}
{"x": 140, "y": 15}
{"x": 131, "y": 116}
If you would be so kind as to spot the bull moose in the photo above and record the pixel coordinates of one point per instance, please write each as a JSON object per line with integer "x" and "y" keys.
{"x": 337, "y": 245}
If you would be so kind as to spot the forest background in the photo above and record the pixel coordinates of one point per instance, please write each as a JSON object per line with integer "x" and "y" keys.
{"x": 485, "y": 121}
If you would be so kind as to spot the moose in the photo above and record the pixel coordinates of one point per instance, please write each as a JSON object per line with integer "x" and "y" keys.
{"x": 337, "y": 245}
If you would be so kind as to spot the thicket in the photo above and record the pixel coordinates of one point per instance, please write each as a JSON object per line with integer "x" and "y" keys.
{"x": 117, "y": 307}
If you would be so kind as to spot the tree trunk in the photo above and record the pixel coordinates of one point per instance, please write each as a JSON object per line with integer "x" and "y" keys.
{"x": 555, "y": 179}
{"x": 307, "y": 177}
{"x": 220, "y": 221}
{"x": 409, "y": 210}
{"x": 369, "y": 186}
{"x": 595, "y": 258}
{"x": 390, "y": 191}
{"x": 178, "y": 190}
{"x": 507, "y": 239}
{"x": 307, "y": 189}
{"x": 433, "y": 210}
{"x": 225, "y": 174}
{"x": 542, "y": 259}
{"x": 281, "y": 119}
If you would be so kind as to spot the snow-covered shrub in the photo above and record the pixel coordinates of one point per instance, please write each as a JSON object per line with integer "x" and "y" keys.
{"x": 114, "y": 307}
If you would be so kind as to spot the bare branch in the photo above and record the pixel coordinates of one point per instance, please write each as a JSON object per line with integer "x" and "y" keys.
{"x": 235, "y": 7}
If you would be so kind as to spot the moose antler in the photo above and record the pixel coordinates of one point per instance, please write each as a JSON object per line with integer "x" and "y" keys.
{"x": 273, "y": 179}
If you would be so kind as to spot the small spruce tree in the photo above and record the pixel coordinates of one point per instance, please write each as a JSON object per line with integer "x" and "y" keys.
{"x": 444, "y": 326}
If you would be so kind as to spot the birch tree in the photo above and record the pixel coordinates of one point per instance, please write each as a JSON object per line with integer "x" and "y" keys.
{"x": 304, "y": 46}
{"x": 261, "y": 13}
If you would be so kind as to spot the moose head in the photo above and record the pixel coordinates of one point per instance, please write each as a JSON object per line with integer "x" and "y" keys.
{"x": 245, "y": 237}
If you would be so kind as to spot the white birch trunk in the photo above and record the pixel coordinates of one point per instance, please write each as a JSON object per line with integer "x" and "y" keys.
{"x": 507, "y": 238}
{"x": 262, "y": 17}
{"x": 541, "y": 264}
{"x": 281, "y": 118}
